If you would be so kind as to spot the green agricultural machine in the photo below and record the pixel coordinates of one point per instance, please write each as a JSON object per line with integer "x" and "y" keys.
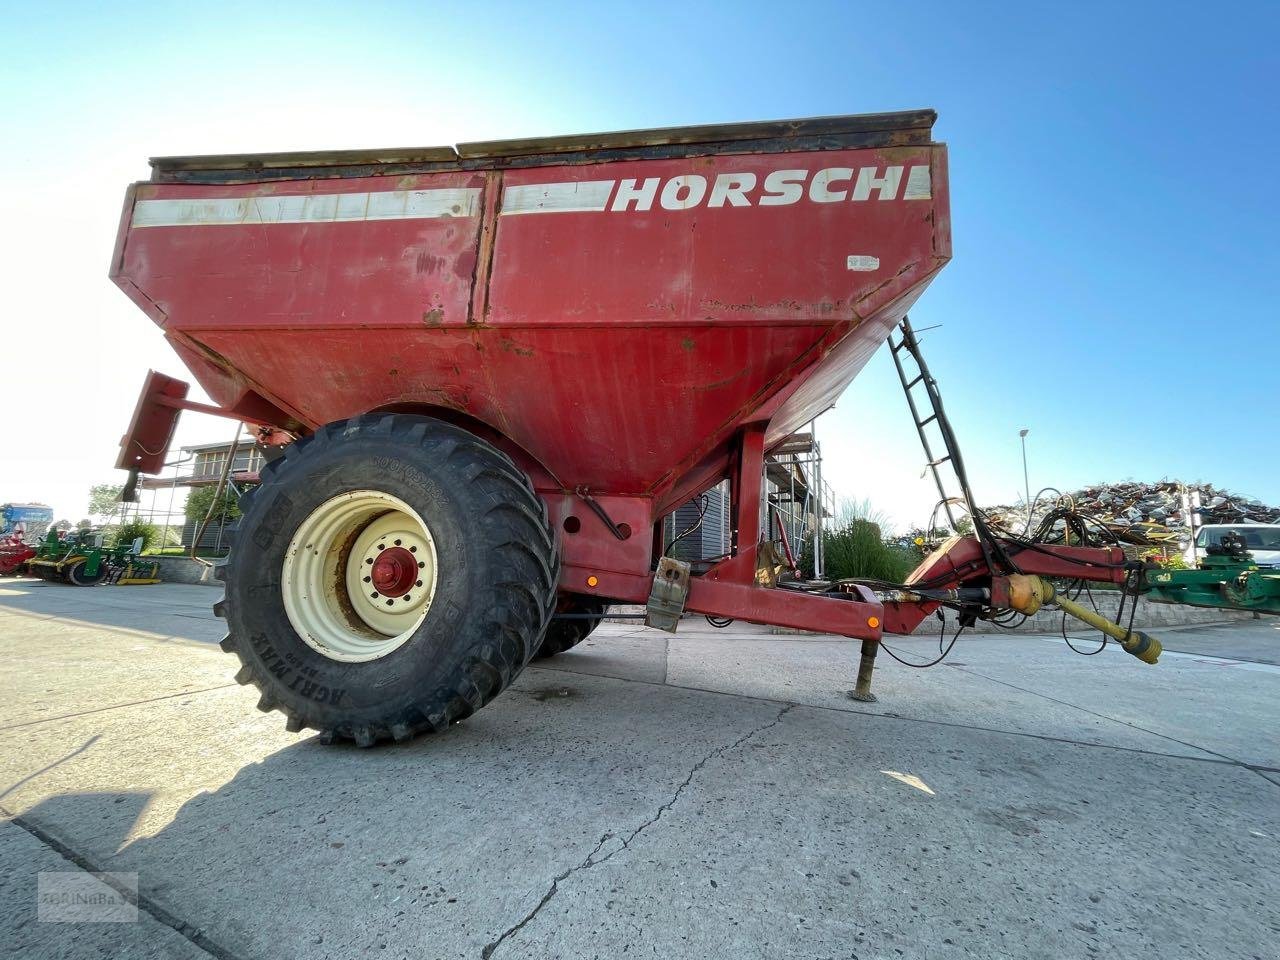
{"x": 1227, "y": 578}
{"x": 81, "y": 559}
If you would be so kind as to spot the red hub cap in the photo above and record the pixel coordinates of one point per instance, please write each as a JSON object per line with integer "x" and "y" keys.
{"x": 394, "y": 572}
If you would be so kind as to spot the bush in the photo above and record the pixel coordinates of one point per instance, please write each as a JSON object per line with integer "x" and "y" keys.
{"x": 1163, "y": 559}
{"x": 855, "y": 548}
{"x": 130, "y": 530}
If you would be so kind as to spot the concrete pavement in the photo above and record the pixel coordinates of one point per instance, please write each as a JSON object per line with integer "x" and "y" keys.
{"x": 712, "y": 794}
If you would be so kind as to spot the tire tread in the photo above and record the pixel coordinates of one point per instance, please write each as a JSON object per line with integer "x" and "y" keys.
{"x": 512, "y": 613}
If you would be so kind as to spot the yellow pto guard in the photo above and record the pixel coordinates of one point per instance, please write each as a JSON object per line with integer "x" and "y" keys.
{"x": 1027, "y": 594}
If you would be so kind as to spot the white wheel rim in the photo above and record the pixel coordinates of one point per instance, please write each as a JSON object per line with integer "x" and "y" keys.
{"x": 329, "y": 571}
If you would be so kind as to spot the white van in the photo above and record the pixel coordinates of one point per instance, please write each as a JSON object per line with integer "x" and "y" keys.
{"x": 1262, "y": 539}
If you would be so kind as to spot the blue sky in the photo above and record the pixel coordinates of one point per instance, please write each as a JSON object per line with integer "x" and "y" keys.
{"x": 1114, "y": 284}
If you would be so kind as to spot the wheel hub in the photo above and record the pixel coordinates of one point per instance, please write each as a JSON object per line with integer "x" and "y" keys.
{"x": 394, "y": 572}
{"x": 359, "y": 576}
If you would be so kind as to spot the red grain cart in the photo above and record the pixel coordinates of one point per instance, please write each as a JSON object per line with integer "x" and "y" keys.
{"x": 493, "y": 369}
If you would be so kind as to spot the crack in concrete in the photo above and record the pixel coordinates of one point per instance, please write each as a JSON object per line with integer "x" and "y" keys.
{"x": 49, "y": 766}
{"x": 1221, "y": 759}
{"x": 590, "y": 860}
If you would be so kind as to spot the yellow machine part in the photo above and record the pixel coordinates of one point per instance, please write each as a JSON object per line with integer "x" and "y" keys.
{"x": 134, "y": 576}
{"x": 57, "y": 565}
{"x": 1027, "y": 594}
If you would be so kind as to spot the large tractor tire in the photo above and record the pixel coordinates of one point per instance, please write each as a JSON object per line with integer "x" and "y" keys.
{"x": 563, "y": 634}
{"x": 391, "y": 575}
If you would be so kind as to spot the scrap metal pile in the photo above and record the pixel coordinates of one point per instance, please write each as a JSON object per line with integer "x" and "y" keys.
{"x": 1143, "y": 514}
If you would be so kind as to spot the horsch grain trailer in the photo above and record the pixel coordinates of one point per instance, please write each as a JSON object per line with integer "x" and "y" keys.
{"x": 490, "y": 370}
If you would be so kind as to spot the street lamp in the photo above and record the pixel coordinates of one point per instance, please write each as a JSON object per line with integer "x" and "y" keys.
{"x": 1025, "y": 482}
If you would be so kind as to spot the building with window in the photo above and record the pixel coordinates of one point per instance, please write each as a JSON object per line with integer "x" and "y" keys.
{"x": 163, "y": 497}
{"x": 795, "y": 501}
{"x": 202, "y": 465}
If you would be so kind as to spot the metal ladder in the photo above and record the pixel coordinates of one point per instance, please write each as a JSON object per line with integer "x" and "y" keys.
{"x": 992, "y": 549}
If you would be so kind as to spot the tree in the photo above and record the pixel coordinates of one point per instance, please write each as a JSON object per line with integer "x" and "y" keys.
{"x": 198, "y": 502}
{"x": 104, "y": 499}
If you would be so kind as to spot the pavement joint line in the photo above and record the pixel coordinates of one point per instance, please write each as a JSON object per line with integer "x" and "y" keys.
{"x": 28, "y": 615}
{"x": 125, "y": 605}
{"x": 590, "y": 860}
{"x": 1256, "y": 768}
{"x": 194, "y": 935}
{"x": 117, "y": 706}
{"x": 1213, "y": 658}
{"x": 1216, "y": 758}
{"x": 93, "y": 624}
{"x": 1262, "y": 666}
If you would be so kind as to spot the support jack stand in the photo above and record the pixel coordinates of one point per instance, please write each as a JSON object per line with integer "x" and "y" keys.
{"x": 866, "y": 666}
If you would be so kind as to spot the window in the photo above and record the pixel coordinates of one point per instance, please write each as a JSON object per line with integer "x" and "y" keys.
{"x": 1256, "y": 538}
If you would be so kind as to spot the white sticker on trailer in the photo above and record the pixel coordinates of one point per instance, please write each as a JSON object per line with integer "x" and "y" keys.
{"x": 919, "y": 184}
{"x": 860, "y": 261}
{"x": 309, "y": 208}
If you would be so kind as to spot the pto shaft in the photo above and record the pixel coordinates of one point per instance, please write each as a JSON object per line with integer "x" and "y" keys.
{"x": 1027, "y": 594}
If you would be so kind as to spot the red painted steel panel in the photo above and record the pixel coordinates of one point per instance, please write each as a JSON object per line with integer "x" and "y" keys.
{"x": 145, "y": 444}
{"x": 768, "y": 253}
{"x": 356, "y": 274}
{"x": 620, "y": 343}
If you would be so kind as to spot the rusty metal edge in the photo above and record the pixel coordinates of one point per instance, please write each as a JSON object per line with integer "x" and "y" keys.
{"x": 816, "y": 133}
{"x": 305, "y": 158}
{"x": 707, "y": 133}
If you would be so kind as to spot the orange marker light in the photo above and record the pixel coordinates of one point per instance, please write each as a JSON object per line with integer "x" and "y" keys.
{"x": 873, "y": 622}
{"x": 592, "y": 581}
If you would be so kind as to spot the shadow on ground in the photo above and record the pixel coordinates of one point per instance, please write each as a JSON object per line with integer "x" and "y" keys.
{"x": 182, "y": 611}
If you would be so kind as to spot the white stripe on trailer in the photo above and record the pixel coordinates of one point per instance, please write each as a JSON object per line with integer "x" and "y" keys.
{"x": 309, "y": 208}
{"x": 586, "y": 196}
{"x": 691, "y": 191}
